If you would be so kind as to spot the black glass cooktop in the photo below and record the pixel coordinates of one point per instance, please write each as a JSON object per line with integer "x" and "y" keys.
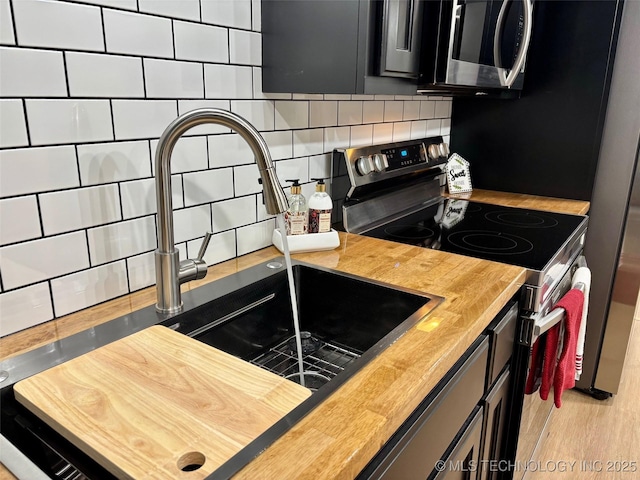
{"x": 528, "y": 238}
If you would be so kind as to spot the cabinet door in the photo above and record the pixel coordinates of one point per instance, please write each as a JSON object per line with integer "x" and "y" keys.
{"x": 495, "y": 406}
{"x": 462, "y": 462}
{"x": 401, "y": 37}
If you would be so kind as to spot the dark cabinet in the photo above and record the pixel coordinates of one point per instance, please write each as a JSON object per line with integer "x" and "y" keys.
{"x": 458, "y": 430}
{"x": 341, "y": 47}
{"x": 464, "y": 457}
{"x": 494, "y": 428}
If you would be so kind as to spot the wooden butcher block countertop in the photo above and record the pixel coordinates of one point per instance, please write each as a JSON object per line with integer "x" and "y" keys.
{"x": 152, "y": 404}
{"x": 339, "y": 437}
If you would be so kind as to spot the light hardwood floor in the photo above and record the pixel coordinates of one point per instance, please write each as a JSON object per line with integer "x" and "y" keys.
{"x": 601, "y": 437}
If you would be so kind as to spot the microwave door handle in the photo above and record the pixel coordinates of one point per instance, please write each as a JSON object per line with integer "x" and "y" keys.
{"x": 497, "y": 56}
{"x": 508, "y": 80}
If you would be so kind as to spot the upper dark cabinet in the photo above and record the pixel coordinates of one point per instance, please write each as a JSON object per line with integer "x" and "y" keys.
{"x": 341, "y": 47}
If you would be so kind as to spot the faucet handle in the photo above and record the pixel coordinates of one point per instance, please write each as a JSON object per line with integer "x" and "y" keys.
{"x": 203, "y": 247}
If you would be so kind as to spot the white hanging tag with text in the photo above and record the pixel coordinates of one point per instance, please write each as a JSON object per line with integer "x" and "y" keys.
{"x": 458, "y": 175}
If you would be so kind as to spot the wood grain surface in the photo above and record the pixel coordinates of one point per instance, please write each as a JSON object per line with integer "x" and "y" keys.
{"x": 152, "y": 404}
{"x": 339, "y": 437}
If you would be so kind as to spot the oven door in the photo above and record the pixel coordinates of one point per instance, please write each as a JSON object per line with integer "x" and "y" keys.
{"x": 536, "y": 413}
{"x": 478, "y": 44}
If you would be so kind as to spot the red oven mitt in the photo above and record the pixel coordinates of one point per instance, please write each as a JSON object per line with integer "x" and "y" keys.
{"x": 561, "y": 374}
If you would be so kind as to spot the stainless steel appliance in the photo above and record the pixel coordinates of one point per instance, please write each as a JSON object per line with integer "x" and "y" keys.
{"x": 475, "y": 44}
{"x": 575, "y": 133}
{"x": 393, "y": 192}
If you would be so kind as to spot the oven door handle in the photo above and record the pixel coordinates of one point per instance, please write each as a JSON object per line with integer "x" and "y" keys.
{"x": 540, "y": 326}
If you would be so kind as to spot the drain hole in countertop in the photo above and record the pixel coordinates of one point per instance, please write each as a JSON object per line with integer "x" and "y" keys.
{"x": 191, "y": 461}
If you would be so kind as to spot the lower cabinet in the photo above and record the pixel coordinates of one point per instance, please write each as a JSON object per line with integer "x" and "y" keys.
{"x": 457, "y": 431}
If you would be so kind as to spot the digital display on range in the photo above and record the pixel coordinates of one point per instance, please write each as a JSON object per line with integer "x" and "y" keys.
{"x": 404, "y": 156}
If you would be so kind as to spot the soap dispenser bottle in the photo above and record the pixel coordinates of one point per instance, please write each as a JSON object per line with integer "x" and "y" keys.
{"x": 296, "y": 216}
{"x": 320, "y": 205}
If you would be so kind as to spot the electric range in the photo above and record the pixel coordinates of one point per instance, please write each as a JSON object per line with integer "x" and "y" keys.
{"x": 394, "y": 192}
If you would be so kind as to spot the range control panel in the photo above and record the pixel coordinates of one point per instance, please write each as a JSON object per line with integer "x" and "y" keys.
{"x": 361, "y": 171}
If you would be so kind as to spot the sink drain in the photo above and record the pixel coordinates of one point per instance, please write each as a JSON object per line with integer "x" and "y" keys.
{"x": 191, "y": 461}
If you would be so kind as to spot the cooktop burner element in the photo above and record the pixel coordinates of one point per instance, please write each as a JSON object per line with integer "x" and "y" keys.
{"x": 492, "y": 243}
{"x": 409, "y": 232}
{"x": 522, "y": 219}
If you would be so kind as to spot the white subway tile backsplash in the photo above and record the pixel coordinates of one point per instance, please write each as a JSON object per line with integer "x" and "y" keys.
{"x": 190, "y": 223}
{"x": 122, "y": 239}
{"x": 245, "y": 47}
{"x": 13, "y": 128}
{"x": 260, "y": 113}
{"x": 418, "y": 129}
{"x": 323, "y": 114}
{"x": 83, "y": 289}
{"x": 401, "y": 131}
{"x": 171, "y": 79}
{"x": 255, "y": 236}
{"x": 33, "y": 170}
{"x": 350, "y": 113}
{"x": 229, "y": 150}
{"x": 427, "y": 109}
{"x": 24, "y": 308}
{"x": 443, "y": 109}
{"x": 95, "y": 83}
{"x": 55, "y": 24}
{"x": 361, "y": 135}
{"x": 38, "y": 260}
{"x": 141, "y": 270}
{"x": 245, "y": 180}
{"x": 308, "y": 142}
{"x": 208, "y": 186}
{"x": 227, "y": 81}
{"x": 445, "y": 126}
{"x": 221, "y": 247}
{"x": 280, "y": 144}
{"x": 139, "y": 196}
{"x": 137, "y": 34}
{"x": 6, "y": 25}
{"x": 136, "y": 119}
{"x": 187, "y": 9}
{"x": 233, "y": 213}
{"x": 291, "y": 115}
{"x": 69, "y": 121}
{"x": 383, "y": 133}
{"x": 373, "y": 112}
{"x": 336, "y": 137}
{"x": 296, "y": 168}
{"x": 393, "y": 111}
{"x": 97, "y": 75}
{"x": 31, "y": 73}
{"x": 189, "y": 154}
{"x": 79, "y": 208}
{"x": 433, "y": 128}
{"x": 231, "y": 13}
{"x": 202, "y": 43}
{"x": 411, "y": 110}
{"x": 113, "y": 162}
{"x": 320, "y": 166}
{"x": 19, "y": 219}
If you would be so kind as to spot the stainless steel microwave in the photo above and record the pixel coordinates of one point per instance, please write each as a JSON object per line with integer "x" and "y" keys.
{"x": 474, "y": 44}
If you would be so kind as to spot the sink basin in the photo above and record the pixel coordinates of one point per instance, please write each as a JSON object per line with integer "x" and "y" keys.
{"x": 342, "y": 317}
{"x": 346, "y": 322}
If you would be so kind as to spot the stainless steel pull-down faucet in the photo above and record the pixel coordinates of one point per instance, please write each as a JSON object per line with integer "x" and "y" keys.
{"x": 170, "y": 273}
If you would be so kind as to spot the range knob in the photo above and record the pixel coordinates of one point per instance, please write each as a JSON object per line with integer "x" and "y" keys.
{"x": 380, "y": 162}
{"x": 433, "y": 151}
{"x": 444, "y": 149}
{"x": 364, "y": 165}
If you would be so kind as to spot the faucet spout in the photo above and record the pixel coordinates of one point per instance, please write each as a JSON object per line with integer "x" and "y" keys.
{"x": 169, "y": 272}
